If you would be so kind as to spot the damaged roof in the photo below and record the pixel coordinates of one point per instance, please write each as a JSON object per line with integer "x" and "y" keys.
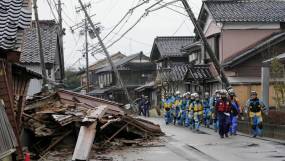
{"x": 247, "y": 10}
{"x": 186, "y": 71}
{"x": 49, "y": 34}
{"x": 15, "y": 16}
{"x": 169, "y": 46}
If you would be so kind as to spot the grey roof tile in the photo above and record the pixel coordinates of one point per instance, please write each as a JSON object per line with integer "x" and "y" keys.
{"x": 15, "y": 15}
{"x": 49, "y": 33}
{"x": 247, "y": 10}
{"x": 170, "y": 46}
{"x": 120, "y": 62}
{"x": 180, "y": 72}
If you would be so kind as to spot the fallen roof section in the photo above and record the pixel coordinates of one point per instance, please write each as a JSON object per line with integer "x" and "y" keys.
{"x": 57, "y": 113}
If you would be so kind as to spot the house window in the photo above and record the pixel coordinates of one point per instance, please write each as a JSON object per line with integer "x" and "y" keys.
{"x": 193, "y": 57}
{"x": 159, "y": 65}
{"x": 105, "y": 79}
{"x": 49, "y": 73}
{"x": 111, "y": 78}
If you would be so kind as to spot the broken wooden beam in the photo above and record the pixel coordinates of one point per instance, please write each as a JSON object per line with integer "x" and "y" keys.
{"x": 87, "y": 135}
{"x": 117, "y": 132}
{"x": 56, "y": 142}
{"x": 84, "y": 142}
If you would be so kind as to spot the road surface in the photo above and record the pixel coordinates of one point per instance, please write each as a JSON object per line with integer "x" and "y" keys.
{"x": 182, "y": 144}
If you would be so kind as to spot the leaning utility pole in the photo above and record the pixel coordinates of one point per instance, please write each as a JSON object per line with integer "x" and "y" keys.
{"x": 42, "y": 59}
{"x": 105, "y": 51}
{"x": 86, "y": 55}
{"x": 207, "y": 45}
{"x": 61, "y": 33}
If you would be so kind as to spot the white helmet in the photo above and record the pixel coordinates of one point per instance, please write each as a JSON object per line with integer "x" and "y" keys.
{"x": 192, "y": 95}
{"x": 223, "y": 92}
{"x": 217, "y": 91}
{"x": 177, "y": 93}
{"x": 196, "y": 95}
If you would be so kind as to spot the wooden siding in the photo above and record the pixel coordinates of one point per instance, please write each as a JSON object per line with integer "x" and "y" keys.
{"x": 243, "y": 93}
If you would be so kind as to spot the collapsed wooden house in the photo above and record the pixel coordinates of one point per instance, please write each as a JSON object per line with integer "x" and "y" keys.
{"x": 52, "y": 117}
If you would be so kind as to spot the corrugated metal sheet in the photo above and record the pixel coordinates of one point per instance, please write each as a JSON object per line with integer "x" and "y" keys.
{"x": 7, "y": 137}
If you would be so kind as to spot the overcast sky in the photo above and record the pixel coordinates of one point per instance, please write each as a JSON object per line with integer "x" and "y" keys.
{"x": 162, "y": 22}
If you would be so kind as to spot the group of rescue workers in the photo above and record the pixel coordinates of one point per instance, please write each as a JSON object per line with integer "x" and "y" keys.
{"x": 221, "y": 111}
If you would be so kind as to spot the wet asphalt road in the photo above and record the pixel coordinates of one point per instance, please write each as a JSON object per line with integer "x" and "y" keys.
{"x": 182, "y": 144}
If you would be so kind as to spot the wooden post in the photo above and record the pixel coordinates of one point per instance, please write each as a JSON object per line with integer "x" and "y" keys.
{"x": 87, "y": 135}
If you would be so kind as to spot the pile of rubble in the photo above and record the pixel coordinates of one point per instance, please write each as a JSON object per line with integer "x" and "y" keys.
{"x": 53, "y": 117}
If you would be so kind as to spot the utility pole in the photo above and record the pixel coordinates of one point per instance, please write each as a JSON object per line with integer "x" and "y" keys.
{"x": 42, "y": 60}
{"x": 105, "y": 51}
{"x": 86, "y": 55}
{"x": 61, "y": 33}
{"x": 205, "y": 42}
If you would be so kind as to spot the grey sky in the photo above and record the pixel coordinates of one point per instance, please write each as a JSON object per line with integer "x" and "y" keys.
{"x": 163, "y": 22}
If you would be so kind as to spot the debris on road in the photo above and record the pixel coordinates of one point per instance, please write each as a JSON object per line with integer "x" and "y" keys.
{"x": 53, "y": 117}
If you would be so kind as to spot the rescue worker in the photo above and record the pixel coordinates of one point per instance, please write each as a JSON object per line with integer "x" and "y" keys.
{"x": 146, "y": 107}
{"x": 223, "y": 108}
{"x": 176, "y": 107}
{"x": 187, "y": 103}
{"x": 235, "y": 111}
{"x": 167, "y": 107}
{"x": 255, "y": 107}
{"x": 207, "y": 110}
{"x": 182, "y": 112}
{"x": 214, "y": 117}
{"x": 190, "y": 113}
{"x": 197, "y": 108}
{"x": 141, "y": 105}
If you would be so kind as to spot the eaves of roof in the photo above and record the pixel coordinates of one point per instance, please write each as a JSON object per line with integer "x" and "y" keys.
{"x": 254, "y": 49}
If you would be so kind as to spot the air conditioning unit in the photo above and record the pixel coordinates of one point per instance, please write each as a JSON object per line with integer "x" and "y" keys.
{"x": 101, "y": 85}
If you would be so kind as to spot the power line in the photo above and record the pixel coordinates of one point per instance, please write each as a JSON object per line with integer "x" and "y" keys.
{"x": 147, "y": 11}
{"x": 179, "y": 27}
{"x": 165, "y": 5}
{"x": 66, "y": 15}
{"x": 130, "y": 11}
{"x": 51, "y": 9}
{"x": 74, "y": 49}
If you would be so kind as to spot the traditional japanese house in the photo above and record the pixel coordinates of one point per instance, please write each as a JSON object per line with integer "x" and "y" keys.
{"x": 96, "y": 66}
{"x": 30, "y": 56}
{"x": 135, "y": 70}
{"x": 242, "y": 34}
{"x": 14, "y": 79}
{"x": 174, "y": 71}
